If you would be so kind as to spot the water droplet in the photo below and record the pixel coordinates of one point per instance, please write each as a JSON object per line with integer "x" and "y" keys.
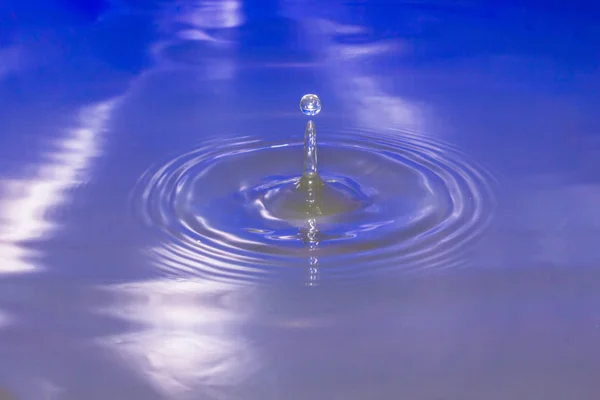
{"x": 310, "y": 104}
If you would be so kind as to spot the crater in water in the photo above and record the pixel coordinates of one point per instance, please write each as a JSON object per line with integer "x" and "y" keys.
{"x": 390, "y": 201}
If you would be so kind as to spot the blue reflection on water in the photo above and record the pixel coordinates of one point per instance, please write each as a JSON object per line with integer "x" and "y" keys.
{"x": 94, "y": 94}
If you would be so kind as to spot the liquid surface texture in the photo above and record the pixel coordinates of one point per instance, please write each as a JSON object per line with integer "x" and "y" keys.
{"x": 166, "y": 231}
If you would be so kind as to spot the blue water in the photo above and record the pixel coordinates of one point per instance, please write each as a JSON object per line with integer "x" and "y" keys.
{"x": 134, "y": 140}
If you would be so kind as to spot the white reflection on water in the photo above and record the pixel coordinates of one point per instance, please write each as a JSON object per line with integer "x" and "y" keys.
{"x": 195, "y": 22}
{"x": 191, "y": 340}
{"x": 196, "y": 34}
{"x": 332, "y": 27}
{"x": 4, "y": 319}
{"x": 212, "y": 14}
{"x": 362, "y": 91}
{"x": 376, "y": 106}
{"x": 25, "y": 202}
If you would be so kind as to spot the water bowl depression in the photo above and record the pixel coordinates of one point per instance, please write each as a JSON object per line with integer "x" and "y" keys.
{"x": 245, "y": 210}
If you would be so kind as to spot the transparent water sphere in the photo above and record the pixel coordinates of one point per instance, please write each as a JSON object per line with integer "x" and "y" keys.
{"x": 310, "y": 104}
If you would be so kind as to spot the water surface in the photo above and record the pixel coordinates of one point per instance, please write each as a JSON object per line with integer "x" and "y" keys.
{"x": 479, "y": 118}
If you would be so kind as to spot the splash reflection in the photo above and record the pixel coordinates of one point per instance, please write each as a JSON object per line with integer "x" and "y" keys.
{"x": 26, "y": 202}
{"x": 311, "y": 240}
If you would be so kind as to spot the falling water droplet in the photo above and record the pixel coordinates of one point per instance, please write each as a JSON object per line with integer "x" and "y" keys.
{"x": 310, "y": 104}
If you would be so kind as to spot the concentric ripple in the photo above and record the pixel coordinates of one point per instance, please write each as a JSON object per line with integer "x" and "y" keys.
{"x": 410, "y": 204}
